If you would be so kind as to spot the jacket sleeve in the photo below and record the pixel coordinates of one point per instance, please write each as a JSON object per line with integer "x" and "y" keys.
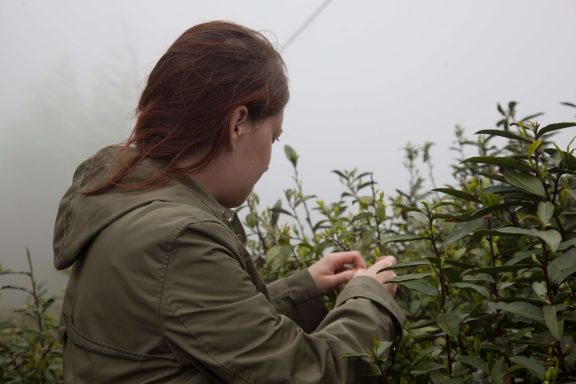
{"x": 298, "y": 297}
{"x": 214, "y": 318}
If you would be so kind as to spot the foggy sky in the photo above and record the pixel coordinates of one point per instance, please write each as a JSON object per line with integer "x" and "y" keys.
{"x": 366, "y": 77}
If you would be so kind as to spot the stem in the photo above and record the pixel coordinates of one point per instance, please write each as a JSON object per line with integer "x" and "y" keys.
{"x": 556, "y": 191}
{"x": 301, "y": 265}
{"x": 258, "y": 230}
{"x": 493, "y": 259}
{"x": 561, "y": 358}
{"x": 444, "y": 296}
{"x": 379, "y": 239}
{"x": 299, "y": 185}
{"x": 297, "y": 218}
{"x": 35, "y": 296}
{"x": 339, "y": 243}
{"x": 551, "y": 288}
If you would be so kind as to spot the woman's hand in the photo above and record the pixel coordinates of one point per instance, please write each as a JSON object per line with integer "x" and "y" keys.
{"x": 335, "y": 269}
{"x": 382, "y": 277}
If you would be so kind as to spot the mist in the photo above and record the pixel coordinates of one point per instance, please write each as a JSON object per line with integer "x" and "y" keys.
{"x": 366, "y": 78}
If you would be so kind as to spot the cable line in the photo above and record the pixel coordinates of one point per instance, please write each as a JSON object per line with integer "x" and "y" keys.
{"x": 305, "y": 25}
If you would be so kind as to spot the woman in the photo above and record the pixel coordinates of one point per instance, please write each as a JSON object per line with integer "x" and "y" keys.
{"x": 162, "y": 289}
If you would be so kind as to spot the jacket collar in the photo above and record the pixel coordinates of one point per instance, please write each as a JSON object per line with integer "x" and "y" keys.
{"x": 227, "y": 215}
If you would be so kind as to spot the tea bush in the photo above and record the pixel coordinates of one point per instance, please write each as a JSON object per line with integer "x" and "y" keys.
{"x": 29, "y": 348}
{"x": 487, "y": 265}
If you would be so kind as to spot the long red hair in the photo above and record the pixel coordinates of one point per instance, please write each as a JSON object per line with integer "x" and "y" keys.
{"x": 190, "y": 95}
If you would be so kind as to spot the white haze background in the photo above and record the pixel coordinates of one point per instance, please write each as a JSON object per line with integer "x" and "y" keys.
{"x": 366, "y": 78}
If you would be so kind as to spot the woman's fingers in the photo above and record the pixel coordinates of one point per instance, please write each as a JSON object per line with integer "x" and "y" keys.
{"x": 349, "y": 258}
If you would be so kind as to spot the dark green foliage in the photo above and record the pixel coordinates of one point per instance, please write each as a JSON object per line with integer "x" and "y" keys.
{"x": 29, "y": 347}
{"x": 487, "y": 266}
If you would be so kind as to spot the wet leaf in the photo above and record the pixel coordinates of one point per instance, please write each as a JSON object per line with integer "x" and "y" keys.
{"x": 522, "y": 309}
{"x": 545, "y": 212}
{"x": 401, "y": 238}
{"x": 410, "y": 264}
{"x": 410, "y": 276}
{"x": 419, "y": 217}
{"x": 551, "y": 321}
{"x": 525, "y": 182}
{"x": 497, "y": 372}
{"x": 474, "y": 361}
{"x": 506, "y": 134}
{"x": 504, "y": 162}
{"x": 532, "y": 365}
{"x": 426, "y": 367}
{"x": 422, "y": 286}
{"x": 554, "y": 127}
{"x": 497, "y": 269}
{"x": 291, "y": 155}
{"x": 463, "y": 230}
{"x": 478, "y": 288}
{"x": 562, "y": 266}
{"x": 449, "y": 323}
{"x": 550, "y": 236}
{"x": 457, "y": 193}
{"x": 534, "y": 146}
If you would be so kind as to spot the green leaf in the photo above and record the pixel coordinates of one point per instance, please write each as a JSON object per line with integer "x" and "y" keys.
{"x": 419, "y": 217}
{"x": 422, "y": 286}
{"x": 504, "y": 162}
{"x": 473, "y": 361}
{"x": 426, "y": 367}
{"x": 530, "y": 117}
{"x": 545, "y": 212}
{"x": 550, "y": 236}
{"x": 562, "y": 266}
{"x": 291, "y": 155}
{"x": 449, "y": 323}
{"x": 551, "y": 321}
{"x": 463, "y": 230}
{"x": 479, "y": 277}
{"x": 506, "y": 134}
{"x": 497, "y": 373}
{"x": 522, "y": 309}
{"x": 400, "y": 238}
{"x": 497, "y": 269}
{"x": 251, "y": 220}
{"x": 525, "y": 182}
{"x": 409, "y": 264}
{"x": 534, "y": 146}
{"x": 493, "y": 176}
{"x": 409, "y": 277}
{"x": 361, "y": 216}
{"x": 555, "y": 127}
{"x": 532, "y": 365}
{"x": 277, "y": 255}
{"x": 484, "y": 211}
{"x": 275, "y": 212}
{"x": 478, "y": 288}
{"x": 567, "y": 244}
{"x": 500, "y": 189}
{"x": 430, "y": 352}
{"x": 382, "y": 347}
{"x": 457, "y": 193}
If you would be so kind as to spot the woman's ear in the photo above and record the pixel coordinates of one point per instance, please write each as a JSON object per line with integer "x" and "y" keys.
{"x": 236, "y": 126}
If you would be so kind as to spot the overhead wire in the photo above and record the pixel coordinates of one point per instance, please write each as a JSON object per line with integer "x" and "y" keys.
{"x": 305, "y": 25}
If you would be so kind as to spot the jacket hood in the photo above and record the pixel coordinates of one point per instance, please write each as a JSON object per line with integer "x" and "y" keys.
{"x": 81, "y": 218}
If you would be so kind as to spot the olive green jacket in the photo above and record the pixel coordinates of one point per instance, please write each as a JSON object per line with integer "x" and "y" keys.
{"x": 162, "y": 290}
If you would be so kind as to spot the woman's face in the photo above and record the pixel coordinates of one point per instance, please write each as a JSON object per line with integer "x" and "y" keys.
{"x": 251, "y": 156}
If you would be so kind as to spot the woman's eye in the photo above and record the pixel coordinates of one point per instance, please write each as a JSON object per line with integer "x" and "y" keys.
{"x": 275, "y": 140}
